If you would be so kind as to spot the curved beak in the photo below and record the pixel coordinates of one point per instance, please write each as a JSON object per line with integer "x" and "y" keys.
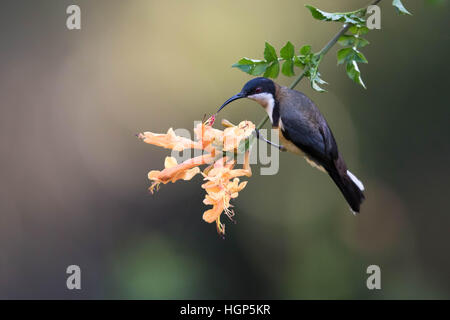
{"x": 240, "y": 95}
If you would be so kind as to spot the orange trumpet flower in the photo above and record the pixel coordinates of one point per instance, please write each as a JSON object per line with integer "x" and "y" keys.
{"x": 222, "y": 182}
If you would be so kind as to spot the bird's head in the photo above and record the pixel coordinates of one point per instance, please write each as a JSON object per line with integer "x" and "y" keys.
{"x": 262, "y": 90}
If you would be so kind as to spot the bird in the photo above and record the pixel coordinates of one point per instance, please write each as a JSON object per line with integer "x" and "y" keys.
{"x": 303, "y": 130}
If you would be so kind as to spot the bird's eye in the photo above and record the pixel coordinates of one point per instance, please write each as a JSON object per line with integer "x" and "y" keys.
{"x": 258, "y": 90}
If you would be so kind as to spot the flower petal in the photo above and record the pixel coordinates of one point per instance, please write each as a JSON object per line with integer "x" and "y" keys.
{"x": 213, "y": 214}
{"x": 169, "y": 140}
{"x": 154, "y": 174}
{"x": 207, "y": 134}
{"x": 189, "y": 174}
{"x": 179, "y": 171}
{"x": 170, "y": 162}
{"x": 232, "y": 136}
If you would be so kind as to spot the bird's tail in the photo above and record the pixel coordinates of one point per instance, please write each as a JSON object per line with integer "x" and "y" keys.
{"x": 351, "y": 188}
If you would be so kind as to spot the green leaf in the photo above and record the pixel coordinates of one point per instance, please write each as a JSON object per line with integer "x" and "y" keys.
{"x": 359, "y": 57}
{"x": 288, "y": 68}
{"x": 354, "y": 73}
{"x": 400, "y": 8}
{"x": 245, "y": 64}
{"x": 361, "y": 43}
{"x": 344, "y": 55}
{"x": 287, "y": 52}
{"x": 305, "y": 50}
{"x": 317, "y": 14}
{"x": 349, "y": 54}
{"x": 259, "y": 68}
{"x": 316, "y": 87}
{"x": 320, "y": 80}
{"x": 314, "y": 75}
{"x": 269, "y": 53}
{"x": 359, "y": 30}
{"x": 298, "y": 62}
{"x": 349, "y": 40}
{"x": 354, "y": 17}
{"x": 346, "y": 40}
{"x": 273, "y": 70}
{"x": 251, "y": 66}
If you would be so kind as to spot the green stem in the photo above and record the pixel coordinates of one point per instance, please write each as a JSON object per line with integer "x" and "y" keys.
{"x": 321, "y": 53}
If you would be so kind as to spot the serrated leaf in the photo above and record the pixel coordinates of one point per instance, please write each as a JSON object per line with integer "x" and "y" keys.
{"x": 359, "y": 30}
{"x": 351, "y": 20}
{"x": 320, "y": 80}
{"x": 299, "y": 63}
{"x": 288, "y": 68}
{"x": 359, "y": 57}
{"x": 314, "y": 75}
{"x": 245, "y": 64}
{"x": 324, "y": 16}
{"x": 316, "y": 87}
{"x": 346, "y": 40}
{"x": 316, "y": 13}
{"x": 400, "y": 8}
{"x": 251, "y": 66}
{"x": 305, "y": 50}
{"x": 287, "y": 52}
{"x": 361, "y": 43}
{"x": 354, "y": 73}
{"x": 307, "y": 59}
{"x": 269, "y": 53}
{"x": 344, "y": 55}
{"x": 273, "y": 70}
{"x": 259, "y": 68}
{"x": 349, "y": 54}
{"x": 350, "y": 41}
{"x": 354, "y": 17}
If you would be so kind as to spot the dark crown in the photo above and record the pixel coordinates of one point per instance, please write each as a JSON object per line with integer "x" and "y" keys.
{"x": 259, "y": 85}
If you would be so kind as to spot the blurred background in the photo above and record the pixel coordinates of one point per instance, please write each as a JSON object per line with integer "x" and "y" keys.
{"x": 73, "y": 177}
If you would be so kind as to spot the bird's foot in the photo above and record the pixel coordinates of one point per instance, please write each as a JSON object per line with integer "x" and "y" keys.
{"x": 280, "y": 147}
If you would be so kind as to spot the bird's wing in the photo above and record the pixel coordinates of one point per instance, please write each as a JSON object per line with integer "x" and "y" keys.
{"x": 307, "y": 129}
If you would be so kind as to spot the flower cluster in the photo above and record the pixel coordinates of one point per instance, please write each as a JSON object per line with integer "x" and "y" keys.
{"x": 222, "y": 181}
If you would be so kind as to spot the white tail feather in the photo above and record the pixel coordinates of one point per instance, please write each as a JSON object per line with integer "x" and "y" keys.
{"x": 355, "y": 180}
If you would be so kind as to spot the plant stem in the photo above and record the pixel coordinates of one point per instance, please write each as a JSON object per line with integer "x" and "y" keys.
{"x": 321, "y": 53}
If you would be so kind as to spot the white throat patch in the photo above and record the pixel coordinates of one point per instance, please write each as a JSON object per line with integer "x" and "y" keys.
{"x": 266, "y": 100}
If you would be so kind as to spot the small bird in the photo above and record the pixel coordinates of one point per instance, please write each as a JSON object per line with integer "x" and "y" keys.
{"x": 303, "y": 130}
